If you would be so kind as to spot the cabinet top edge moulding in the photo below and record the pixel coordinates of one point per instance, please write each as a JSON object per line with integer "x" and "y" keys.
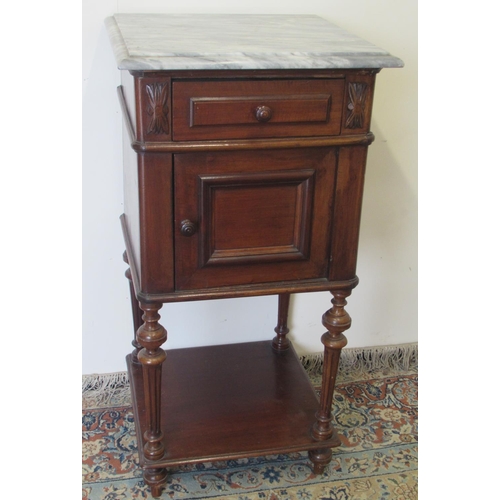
{"x": 149, "y": 42}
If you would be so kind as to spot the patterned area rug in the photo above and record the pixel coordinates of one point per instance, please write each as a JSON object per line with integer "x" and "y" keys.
{"x": 375, "y": 417}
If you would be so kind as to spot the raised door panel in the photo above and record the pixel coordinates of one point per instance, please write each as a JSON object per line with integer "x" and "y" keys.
{"x": 256, "y": 217}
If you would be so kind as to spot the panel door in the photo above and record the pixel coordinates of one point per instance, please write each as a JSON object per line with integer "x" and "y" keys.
{"x": 252, "y": 217}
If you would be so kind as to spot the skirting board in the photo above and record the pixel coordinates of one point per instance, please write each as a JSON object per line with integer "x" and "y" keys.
{"x": 112, "y": 389}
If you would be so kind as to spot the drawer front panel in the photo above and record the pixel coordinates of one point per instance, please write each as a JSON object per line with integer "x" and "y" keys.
{"x": 256, "y": 109}
{"x": 252, "y": 217}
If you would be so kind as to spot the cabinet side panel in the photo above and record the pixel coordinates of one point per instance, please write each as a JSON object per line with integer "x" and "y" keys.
{"x": 156, "y": 215}
{"x": 347, "y": 212}
{"x": 130, "y": 178}
{"x": 128, "y": 87}
{"x": 131, "y": 202}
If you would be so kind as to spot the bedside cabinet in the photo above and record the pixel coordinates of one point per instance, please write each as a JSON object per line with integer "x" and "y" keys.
{"x": 243, "y": 176}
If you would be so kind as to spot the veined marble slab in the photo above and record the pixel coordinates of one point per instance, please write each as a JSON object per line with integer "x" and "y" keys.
{"x": 214, "y": 41}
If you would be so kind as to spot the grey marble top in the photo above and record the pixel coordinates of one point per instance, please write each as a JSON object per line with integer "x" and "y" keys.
{"x": 214, "y": 41}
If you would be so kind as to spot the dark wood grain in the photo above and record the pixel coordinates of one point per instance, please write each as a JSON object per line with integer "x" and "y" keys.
{"x": 262, "y": 216}
{"x": 136, "y": 310}
{"x": 249, "y": 290}
{"x": 235, "y": 235}
{"x": 156, "y": 215}
{"x": 281, "y": 341}
{"x": 228, "y": 109}
{"x": 238, "y": 184}
{"x": 153, "y": 108}
{"x": 347, "y": 212}
{"x": 358, "y": 102}
{"x": 336, "y": 320}
{"x": 131, "y": 217}
{"x": 252, "y": 144}
{"x": 208, "y": 111}
{"x": 151, "y": 335}
{"x": 213, "y": 412}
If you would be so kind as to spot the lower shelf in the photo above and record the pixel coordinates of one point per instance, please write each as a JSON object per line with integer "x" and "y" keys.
{"x": 228, "y": 402}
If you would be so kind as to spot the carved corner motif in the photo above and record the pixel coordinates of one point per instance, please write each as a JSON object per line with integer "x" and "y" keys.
{"x": 358, "y": 93}
{"x": 157, "y": 108}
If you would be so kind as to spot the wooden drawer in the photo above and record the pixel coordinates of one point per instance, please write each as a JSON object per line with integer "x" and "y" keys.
{"x": 244, "y": 109}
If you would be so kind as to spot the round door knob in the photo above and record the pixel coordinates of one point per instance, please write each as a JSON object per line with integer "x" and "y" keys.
{"x": 263, "y": 113}
{"x": 188, "y": 228}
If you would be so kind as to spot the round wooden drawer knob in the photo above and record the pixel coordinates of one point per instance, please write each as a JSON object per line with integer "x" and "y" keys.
{"x": 188, "y": 228}
{"x": 263, "y": 113}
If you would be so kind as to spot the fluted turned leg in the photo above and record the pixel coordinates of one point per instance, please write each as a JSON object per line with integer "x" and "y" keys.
{"x": 136, "y": 311}
{"x": 336, "y": 320}
{"x": 151, "y": 335}
{"x": 281, "y": 342}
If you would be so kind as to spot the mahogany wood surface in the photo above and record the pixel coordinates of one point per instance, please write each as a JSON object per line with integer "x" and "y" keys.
{"x": 336, "y": 320}
{"x": 153, "y": 105}
{"x": 156, "y": 214}
{"x": 358, "y": 101}
{"x": 136, "y": 311}
{"x": 281, "y": 341}
{"x": 151, "y": 335}
{"x": 347, "y": 211}
{"x": 229, "y": 109}
{"x": 237, "y": 184}
{"x": 261, "y": 216}
{"x": 261, "y": 402}
{"x": 253, "y": 144}
{"x": 131, "y": 216}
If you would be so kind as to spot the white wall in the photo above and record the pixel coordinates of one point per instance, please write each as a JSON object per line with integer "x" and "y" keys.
{"x": 383, "y": 306}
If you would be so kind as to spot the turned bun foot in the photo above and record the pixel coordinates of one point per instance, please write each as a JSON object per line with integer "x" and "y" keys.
{"x": 320, "y": 459}
{"x": 156, "y": 479}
